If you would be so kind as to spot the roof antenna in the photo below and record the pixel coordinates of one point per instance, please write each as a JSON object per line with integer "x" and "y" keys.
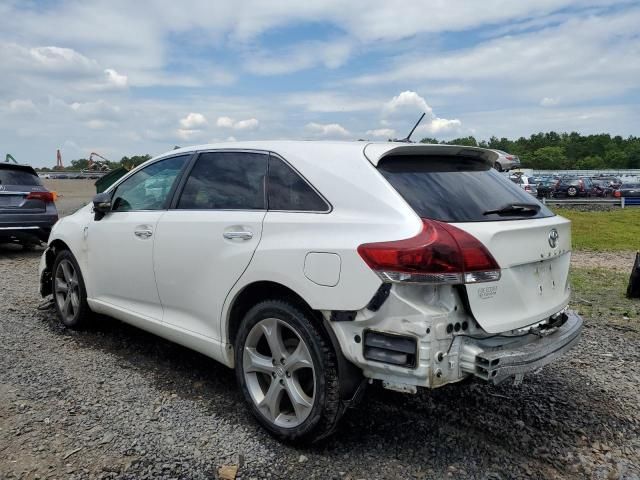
{"x": 407, "y": 139}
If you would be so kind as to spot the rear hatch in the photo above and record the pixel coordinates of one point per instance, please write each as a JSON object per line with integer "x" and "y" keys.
{"x": 16, "y": 183}
{"x": 530, "y": 244}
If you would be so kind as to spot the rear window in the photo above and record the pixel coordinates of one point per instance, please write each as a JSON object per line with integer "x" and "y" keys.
{"x": 288, "y": 191}
{"x": 18, "y": 177}
{"x": 456, "y": 189}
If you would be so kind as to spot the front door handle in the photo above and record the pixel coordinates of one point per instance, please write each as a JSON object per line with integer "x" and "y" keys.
{"x": 143, "y": 233}
{"x": 242, "y": 235}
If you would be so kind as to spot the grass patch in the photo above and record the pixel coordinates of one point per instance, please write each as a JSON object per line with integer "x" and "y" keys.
{"x": 604, "y": 230}
{"x": 599, "y": 293}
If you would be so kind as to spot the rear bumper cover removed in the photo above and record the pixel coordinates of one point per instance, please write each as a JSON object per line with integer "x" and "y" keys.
{"x": 495, "y": 366}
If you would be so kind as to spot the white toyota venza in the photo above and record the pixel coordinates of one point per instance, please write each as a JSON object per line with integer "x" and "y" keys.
{"x": 314, "y": 268}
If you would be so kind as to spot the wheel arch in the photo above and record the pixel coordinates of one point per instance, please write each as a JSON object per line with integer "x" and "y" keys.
{"x": 254, "y": 293}
{"x": 351, "y": 378}
{"x": 50, "y": 253}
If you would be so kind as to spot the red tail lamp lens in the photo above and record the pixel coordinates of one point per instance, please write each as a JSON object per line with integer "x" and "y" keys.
{"x": 440, "y": 253}
{"x": 47, "y": 197}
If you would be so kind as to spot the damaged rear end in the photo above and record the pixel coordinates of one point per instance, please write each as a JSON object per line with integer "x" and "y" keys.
{"x": 482, "y": 289}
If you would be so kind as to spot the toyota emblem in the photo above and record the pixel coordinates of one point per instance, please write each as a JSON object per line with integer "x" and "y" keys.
{"x": 553, "y": 238}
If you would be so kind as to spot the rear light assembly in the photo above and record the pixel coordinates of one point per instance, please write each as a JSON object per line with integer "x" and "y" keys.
{"x": 439, "y": 254}
{"x": 617, "y": 193}
{"x": 46, "y": 197}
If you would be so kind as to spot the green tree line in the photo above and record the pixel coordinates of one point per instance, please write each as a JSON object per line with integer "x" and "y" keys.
{"x": 563, "y": 151}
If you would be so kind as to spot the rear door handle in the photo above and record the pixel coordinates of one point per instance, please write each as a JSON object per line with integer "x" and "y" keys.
{"x": 143, "y": 233}
{"x": 242, "y": 235}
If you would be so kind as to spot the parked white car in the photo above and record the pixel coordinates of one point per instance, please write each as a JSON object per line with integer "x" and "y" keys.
{"x": 526, "y": 183}
{"x": 314, "y": 268}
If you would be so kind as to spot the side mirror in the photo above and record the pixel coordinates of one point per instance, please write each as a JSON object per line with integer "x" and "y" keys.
{"x": 101, "y": 205}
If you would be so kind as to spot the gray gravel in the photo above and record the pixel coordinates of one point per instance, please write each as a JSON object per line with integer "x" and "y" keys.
{"x": 115, "y": 402}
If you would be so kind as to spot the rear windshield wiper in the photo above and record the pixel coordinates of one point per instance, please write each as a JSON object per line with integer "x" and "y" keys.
{"x": 515, "y": 209}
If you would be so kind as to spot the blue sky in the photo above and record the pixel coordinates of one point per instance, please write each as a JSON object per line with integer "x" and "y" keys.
{"x": 123, "y": 78}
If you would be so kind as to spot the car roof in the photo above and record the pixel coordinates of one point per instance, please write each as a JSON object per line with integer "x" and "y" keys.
{"x": 373, "y": 151}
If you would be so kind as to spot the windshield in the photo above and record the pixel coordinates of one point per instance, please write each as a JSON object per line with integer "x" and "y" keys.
{"x": 456, "y": 189}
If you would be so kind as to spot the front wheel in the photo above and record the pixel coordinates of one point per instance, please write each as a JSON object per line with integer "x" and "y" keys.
{"x": 572, "y": 191}
{"x": 287, "y": 371}
{"x": 69, "y": 293}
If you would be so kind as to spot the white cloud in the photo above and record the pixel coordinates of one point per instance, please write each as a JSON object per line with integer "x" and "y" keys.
{"x": 326, "y": 102}
{"x": 188, "y": 134}
{"x": 193, "y": 120}
{"x": 228, "y": 122}
{"x": 549, "y": 102}
{"x": 60, "y": 59}
{"x": 440, "y": 126}
{"x": 115, "y": 79}
{"x": 382, "y": 132}
{"x": 100, "y": 109}
{"x": 407, "y": 100}
{"x": 99, "y": 124}
{"x": 302, "y": 56}
{"x": 19, "y": 106}
{"x": 248, "y": 124}
{"x": 582, "y": 58}
{"x": 328, "y": 130}
{"x": 407, "y": 107}
{"x": 225, "y": 122}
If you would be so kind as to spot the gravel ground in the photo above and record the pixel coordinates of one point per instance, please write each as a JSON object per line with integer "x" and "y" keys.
{"x": 115, "y": 402}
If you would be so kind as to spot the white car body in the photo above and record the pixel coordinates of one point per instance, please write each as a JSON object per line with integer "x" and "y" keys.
{"x": 181, "y": 278}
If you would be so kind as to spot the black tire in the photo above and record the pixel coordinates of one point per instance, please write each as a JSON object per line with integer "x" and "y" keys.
{"x": 572, "y": 192}
{"x": 498, "y": 166}
{"x": 327, "y": 408}
{"x": 81, "y": 313}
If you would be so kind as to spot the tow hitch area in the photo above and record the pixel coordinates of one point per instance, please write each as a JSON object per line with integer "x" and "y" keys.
{"x": 495, "y": 365}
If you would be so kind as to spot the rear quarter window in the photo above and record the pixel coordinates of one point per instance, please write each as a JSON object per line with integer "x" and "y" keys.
{"x": 456, "y": 189}
{"x": 18, "y": 177}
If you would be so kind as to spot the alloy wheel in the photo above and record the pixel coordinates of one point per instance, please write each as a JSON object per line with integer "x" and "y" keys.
{"x": 279, "y": 372}
{"x": 67, "y": 290}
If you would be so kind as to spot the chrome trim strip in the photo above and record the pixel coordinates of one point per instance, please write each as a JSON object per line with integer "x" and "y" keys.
{"x": 19, "y": 228}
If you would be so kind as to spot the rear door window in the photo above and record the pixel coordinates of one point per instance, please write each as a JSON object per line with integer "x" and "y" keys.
{"x": 290, "y": 192}
{"x": 18, "y": 177}
{"x": 226, "y": 181}
{"x": 457, "y": 189}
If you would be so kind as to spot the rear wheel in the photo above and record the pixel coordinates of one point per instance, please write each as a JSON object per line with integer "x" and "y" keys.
{"x": 498, "y": 166}
{"x": 287, "y": 371}
{"x": 572, "y": 191}
{"x": 69, "y": 293}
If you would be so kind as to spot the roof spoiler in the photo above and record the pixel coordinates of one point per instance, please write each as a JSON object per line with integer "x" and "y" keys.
{"x": 376, "y": 151}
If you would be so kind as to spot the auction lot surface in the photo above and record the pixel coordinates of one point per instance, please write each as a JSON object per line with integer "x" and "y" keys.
{"x": 115, "y": 402}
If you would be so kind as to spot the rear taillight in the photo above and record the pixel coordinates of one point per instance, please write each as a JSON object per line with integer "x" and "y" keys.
{"x": 440, "y": 253}
{"x": 617, "y": 193}
{"x": 509, "y": 157}
{"x": 527, "y": 188}
{"x": 47, "y": 197}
